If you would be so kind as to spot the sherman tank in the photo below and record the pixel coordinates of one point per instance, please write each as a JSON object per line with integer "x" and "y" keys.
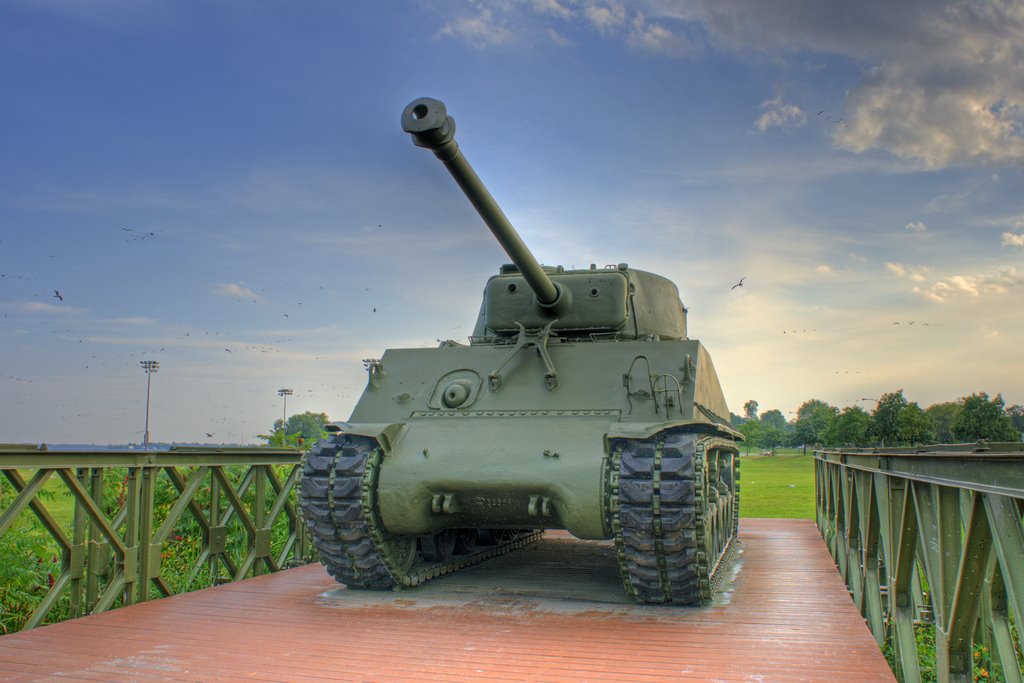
{"x": 579, "y": 403}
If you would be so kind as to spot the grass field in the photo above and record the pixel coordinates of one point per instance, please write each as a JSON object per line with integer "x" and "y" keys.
{"x": 55, "y": 496}
{"x": 780, "y": 485}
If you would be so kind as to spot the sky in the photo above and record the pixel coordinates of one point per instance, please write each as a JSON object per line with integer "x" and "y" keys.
{"x": 224, "y": 187}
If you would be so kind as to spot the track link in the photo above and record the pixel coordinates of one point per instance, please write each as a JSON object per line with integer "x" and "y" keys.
{"x": 673, "y": 517}
{"x": 339, "y": 504}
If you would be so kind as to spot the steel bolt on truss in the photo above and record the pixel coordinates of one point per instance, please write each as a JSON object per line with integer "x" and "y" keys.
{"x": 241, "y": 501}
{"x": 931, "y": 536}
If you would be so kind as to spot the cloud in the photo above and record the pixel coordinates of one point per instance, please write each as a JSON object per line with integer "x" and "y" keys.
{"x": 238, "y": 290}
{"x": 777, "y": 113}
{"x": 823, "y": 269}
{"x": 479, "y": 31}
{"x": 947, "y": 201}
{"x": 917, "y": 226}
{"x": 45, "y": 307}
{"x": 552, "y": 7}
{"x": 950, "y": 93}
{"x": 896, "y": 268}
{"x": 507, "y": 22}
{"x": 557, "y": 38}
{"x": 1013, "y": 240}
{"x": 973, "y": 286}
{"x": 942, "y": 81}
{"x": 605, "y": 16}
{"x": 656, "y": 38}
{"x": 134, "y": 320}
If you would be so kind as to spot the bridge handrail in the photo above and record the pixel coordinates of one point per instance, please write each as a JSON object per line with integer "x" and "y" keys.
{"x": 931, "y": 538}
{"x": 112, "y": 551}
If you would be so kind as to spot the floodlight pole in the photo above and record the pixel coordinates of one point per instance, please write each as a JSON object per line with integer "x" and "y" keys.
{"x": 150, "y": 367}
{"x": 284, "y": 394}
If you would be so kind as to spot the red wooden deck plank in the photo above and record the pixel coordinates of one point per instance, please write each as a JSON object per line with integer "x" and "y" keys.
{"x": 554, "y": 612}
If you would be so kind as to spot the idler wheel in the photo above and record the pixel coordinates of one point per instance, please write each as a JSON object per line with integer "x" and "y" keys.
{"x": 440, "y": 546}
{"x": 465, "y": 541}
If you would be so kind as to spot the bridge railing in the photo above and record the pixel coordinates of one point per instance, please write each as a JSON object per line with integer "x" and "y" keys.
{"x": 931, "y": 545}
{"x": 119, "y": 527}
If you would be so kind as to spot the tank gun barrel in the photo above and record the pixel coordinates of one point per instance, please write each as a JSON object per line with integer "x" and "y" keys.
{"x": 428, "y": 122}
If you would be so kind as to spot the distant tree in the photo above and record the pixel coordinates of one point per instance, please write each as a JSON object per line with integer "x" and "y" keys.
{"x": 982, "y": 418}
{"x": 302, "y": 429}
{"x": 852, "y": 427}
{"x": 943, "y": 415}
{"x": 885, "y": 419}
{"x": 735, "y": 419}
{"x": 775, "y": 418}
{"x": 309, "y": 424}
{"x": 914, "y": 425}
{"x": 813, "y": 419}
{"x": 751, "y": 430}
{"x": 279, "y": 439}
{"x": 750, "y": 409}
{"x": 1016, "y": 414}
{"x": 774, "y": 429}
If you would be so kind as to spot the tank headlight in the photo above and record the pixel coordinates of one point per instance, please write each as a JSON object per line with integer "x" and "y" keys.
{"x": 455, "y": 394}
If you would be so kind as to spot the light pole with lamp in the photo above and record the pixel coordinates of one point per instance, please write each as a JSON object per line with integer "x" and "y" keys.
{"x": 150, "y": 367}
{"x": 284, "y": 394}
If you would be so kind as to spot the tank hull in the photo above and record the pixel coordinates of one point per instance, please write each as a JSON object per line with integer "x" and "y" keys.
{"x": 523, "y": 454}
{"x": 628, "y": 443}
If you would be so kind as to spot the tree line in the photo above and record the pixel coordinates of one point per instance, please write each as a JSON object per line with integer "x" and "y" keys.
{"x": 893, "y": 422}
{"x": 302, "y": 430}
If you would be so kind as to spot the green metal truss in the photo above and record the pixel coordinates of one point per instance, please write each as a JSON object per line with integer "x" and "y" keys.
{"x": 931, "y": 536}
{"x": 112, "y": 553}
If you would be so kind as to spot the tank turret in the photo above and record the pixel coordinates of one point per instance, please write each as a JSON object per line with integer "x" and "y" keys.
{"x": 614, "y": 301}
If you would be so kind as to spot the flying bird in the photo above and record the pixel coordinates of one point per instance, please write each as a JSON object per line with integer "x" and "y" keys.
{"x": 821, "y": 112}
{"x": 56, "y": 295}
{"x": 209, "y": 435}
{"x": 738, "y": 284}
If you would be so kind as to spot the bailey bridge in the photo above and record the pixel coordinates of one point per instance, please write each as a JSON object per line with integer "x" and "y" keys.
{"x": 909, "y": 546}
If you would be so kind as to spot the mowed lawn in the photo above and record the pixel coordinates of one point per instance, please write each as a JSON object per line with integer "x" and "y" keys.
{"x": 780, "y": 485}
{"x": 55, "y": 496}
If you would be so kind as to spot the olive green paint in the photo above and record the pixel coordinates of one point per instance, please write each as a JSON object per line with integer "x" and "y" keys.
{"x": 513, "y": 429}
{"x": 949, "y": 513}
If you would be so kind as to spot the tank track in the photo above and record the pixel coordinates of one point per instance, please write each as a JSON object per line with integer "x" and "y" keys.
{"x": 339, "y": 504}
{"x": 673, "y": 516}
